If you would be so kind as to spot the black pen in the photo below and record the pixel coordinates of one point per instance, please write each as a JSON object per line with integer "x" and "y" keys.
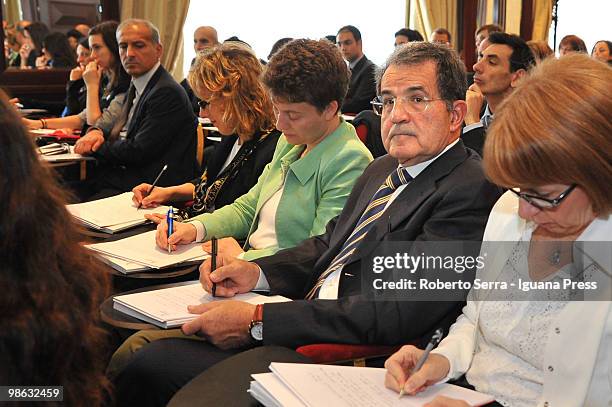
{"x": 435, "y": 340}
{"x": 153, "y": 185}
{"x": 213, "y": 263}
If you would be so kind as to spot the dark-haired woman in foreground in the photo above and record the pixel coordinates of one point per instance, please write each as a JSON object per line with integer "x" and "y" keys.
{"x": 51, "y": 286}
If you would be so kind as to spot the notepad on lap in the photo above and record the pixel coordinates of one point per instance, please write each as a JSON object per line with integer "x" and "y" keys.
{"x": 112, "y": 214}
{"x": 295, "y": 384}
{"x": 167, "y": 308}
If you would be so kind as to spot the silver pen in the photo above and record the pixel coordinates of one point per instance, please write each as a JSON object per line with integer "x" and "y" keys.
{"x": 435, "y": 340}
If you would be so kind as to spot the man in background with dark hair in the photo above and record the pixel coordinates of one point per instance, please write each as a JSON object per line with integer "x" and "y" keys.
{"x": 362, "y": 87}
{"x": 483, "y": 32}
{"x": 498, "y": 71}
{"x": 405, "y": 35}
{"x": 441, "y": 36}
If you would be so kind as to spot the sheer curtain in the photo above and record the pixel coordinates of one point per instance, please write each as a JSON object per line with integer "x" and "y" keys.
{"x": 169, "y": 17}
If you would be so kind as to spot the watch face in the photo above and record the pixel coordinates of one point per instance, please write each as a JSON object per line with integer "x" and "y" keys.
{"x": 257, "y": 331}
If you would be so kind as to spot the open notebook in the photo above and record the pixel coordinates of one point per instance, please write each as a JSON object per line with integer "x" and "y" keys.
{"x": 167, "y": 307}
{"x": 112, "y": 214}
{"x": 295, "y": 384}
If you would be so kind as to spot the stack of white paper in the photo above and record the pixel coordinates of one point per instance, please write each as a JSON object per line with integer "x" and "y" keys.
{"x": 294, "y": 384}
{"x": 167, "y": 308}
{"x": 129, "y": 267}
{"x": 112, "y": 214}
{"x": 141, "y": 249}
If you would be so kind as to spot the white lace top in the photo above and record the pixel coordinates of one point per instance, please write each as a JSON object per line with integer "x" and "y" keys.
{"x": 508, "y": 362}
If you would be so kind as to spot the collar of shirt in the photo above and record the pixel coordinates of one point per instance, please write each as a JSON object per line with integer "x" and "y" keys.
{"x": 487, "y": 112}
{"x": 141, "y": 82}
{"x": 416, "y": 169}
{"x": 355, "y": 62}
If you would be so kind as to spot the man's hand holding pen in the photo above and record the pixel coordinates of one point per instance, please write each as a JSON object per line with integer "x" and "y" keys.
{"x": 223, "y": 323}
{"x": 232, "y": 276}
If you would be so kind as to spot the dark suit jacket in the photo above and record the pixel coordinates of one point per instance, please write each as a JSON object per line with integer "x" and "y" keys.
{"x": 475, "y": 139}
{"x": 362, "y": 87}
{"x": 249, "y": 172}
{"x": 449, "y": 200}
{"x": 162, "y": 131}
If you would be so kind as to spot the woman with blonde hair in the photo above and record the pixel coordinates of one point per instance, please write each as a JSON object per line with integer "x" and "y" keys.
{"x": 225, "y": 78}
{"x": 540, "y": 50}
{"x": 531, "y": 346}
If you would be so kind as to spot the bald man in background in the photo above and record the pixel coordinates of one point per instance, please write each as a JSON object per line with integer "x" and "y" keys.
{"x": 203, "y": 37}
{"x": 83, "y": 29}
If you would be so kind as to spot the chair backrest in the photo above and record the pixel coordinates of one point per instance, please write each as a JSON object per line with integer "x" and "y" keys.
{"x": 362, "y": 132}
{"x": 368, "y": 123}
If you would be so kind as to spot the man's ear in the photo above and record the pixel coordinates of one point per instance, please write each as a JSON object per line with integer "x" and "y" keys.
{"x": 457, "y": 115}
{"x": 517, "y": 76}
{"x": 160, "y": 50}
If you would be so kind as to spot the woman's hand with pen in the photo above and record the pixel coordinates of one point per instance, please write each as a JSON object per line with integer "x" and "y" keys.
{"x": 401, "y": 363}
{"x": 158, "y": 196}
{"x": 184, "y": 233}
{"x": 232, "y": 276}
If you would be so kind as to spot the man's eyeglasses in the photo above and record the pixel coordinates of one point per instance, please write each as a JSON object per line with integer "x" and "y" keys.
{"x": 203, "y": 104}
{"x": 541, "y": 202}
{"x": 413, "y": 104}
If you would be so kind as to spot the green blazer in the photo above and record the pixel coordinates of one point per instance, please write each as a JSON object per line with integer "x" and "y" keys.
{"x": 315, "y": 191}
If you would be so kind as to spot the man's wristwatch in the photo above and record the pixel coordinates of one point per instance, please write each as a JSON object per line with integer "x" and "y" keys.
{"x": 256, "y": 325}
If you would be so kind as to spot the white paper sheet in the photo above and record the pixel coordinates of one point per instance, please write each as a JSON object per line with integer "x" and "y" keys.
{"x": 168, "y": 306}
{"x": 339, "y": 386}
{"x": 118, "y": 209}
{"x": 142, "y": 249}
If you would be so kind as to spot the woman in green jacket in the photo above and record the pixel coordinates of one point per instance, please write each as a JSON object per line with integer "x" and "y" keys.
{"x": 316, "y": 162}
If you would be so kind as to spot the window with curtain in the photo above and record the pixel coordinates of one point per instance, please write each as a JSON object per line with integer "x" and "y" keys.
{"x": 588, "y": 19}
{"x": 261, "y": 23}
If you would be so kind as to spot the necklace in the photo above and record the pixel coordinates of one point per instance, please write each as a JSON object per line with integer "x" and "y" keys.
{"x": 555, "y": 257}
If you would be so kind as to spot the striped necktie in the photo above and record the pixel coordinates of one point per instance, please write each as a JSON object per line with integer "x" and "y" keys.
{"x": 373, "y": 211}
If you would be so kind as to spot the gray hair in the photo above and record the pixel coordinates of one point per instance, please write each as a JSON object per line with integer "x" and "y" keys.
{"x": 450, "y": 70}
{"x": 152, "y": 28}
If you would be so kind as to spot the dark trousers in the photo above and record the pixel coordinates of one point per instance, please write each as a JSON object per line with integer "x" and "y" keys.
{"x": 161, "y": 368}
{"x": 226, "y": 383}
